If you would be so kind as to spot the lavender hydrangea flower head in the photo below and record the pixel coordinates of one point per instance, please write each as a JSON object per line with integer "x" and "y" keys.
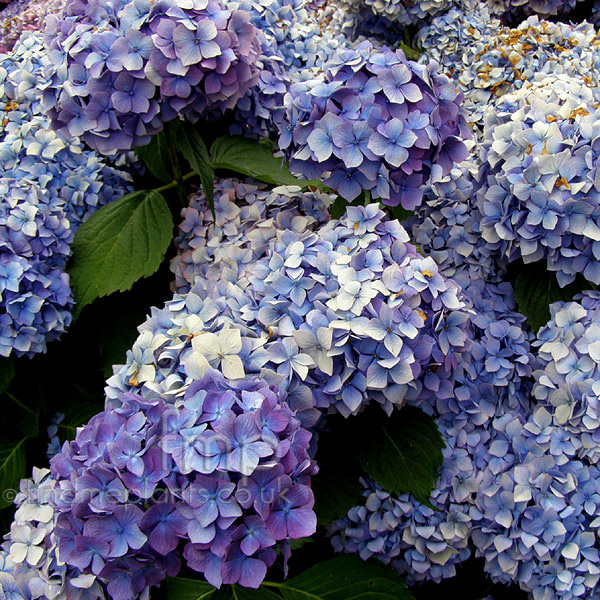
{"x": 217, "y": 474}
{"x": 539, "y": 193}
{"x": 374, "y": 121}
{"x": 136, "y": 66}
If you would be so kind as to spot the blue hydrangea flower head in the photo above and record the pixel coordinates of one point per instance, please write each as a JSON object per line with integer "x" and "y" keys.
{"x": 50, "y": 184}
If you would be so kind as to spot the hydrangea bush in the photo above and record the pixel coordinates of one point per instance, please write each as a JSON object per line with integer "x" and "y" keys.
{"x": 374, "y": 358}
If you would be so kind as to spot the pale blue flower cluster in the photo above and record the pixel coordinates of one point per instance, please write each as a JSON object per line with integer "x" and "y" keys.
{"x": 34, "y": 289}
{"x": 29, "y": 563}
{"x": 487, "y": 59}
{"x": 540, "y": 176}
{"x": 303, "y": 36}
{"x": 447, "y": 227}
{"x": 49, "y": 185}
{"x": 541, "y": 512}
{"x": 345, "y": 313}
{"x": 244, "y": 211}
{"x": 405, "y": 12}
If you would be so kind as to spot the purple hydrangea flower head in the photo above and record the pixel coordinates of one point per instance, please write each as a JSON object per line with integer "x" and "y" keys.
{"x": 149, "y": 66}
{"x": 404, "y": 122}
{"x": 123, "y": 531}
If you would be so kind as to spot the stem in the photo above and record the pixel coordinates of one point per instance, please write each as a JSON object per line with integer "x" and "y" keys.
{"x": 172, "y": 151}
{"x": 20, "y": 404}
{"x": 175, "y": 182}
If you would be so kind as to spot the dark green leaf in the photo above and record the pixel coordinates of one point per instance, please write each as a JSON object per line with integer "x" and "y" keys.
{"x": 398, "y": 212}
{"x": 345, "y": 578}
{"x": 117, "y": 337}
{"x": 536, "y": 288}
{"x": 155, "y": 156}
{"x": 25, "y": 418}
{"x": 12, "y": 470}
{"x": 7, "y": 373}
{"x": 180, "y": 588}
{"x": 338, "y": 208}
{"x": 237, "y": 592}
{"x": 336, "y": 486}
{"x": 250, "y": 157}
{"x": 192, "y": 146}
{"x": 336, "y": 492}
{"x": 120, "y": 243}
{"x": 403, "y": 454}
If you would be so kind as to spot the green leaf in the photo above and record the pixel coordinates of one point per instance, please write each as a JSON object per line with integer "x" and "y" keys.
{"x": 398, "y": 212}
{"x": 409, "y": 52}
{"x": 12, "y": 470}
{"x": 403, "y": 454}
{"x": 336, "y": 486}
{"x": 195, "y": 152}
{"x": 536, "y": 288}
{"x": 336, "y": 492}
{"x": 181, "y": 588}
{"x": 237, "y": 592}
{"x": 338, "y": 208}
{"x": 117, "y": 337}
{"x": 155, "y": 156}
{"x": 119, "y": 244}
{"x": 250, "y": 157}
{"x": 7, "y": 373}
{"x": 345, "y": 578}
